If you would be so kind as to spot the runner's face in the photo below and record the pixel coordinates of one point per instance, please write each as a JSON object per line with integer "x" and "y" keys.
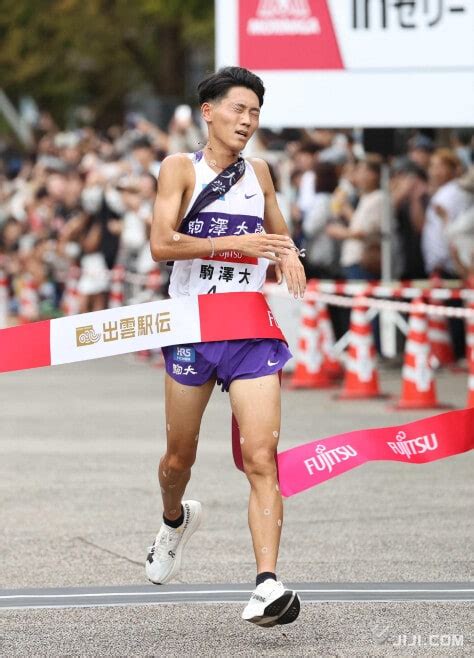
{"x": 234, "y": 119}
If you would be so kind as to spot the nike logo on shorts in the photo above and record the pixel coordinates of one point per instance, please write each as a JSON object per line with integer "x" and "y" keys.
{"x": 249, "y": 196}
{"x": 271, "y": 363}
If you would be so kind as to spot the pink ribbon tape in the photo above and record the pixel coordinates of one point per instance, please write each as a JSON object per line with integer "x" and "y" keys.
{"x": 418, "y": 442}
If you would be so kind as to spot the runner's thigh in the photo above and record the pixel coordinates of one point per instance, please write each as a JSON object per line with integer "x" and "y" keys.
{"x": 256, "y": 404}
{"x": 184, "y": 407}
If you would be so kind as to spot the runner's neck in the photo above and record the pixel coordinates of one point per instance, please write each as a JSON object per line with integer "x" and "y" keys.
{"x": 219, "y": 158}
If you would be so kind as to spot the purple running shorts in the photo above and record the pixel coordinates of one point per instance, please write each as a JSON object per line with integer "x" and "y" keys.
{"x": 194, "y": 364}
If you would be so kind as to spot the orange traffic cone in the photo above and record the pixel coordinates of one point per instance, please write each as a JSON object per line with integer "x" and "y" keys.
{"x": 330, "y": 363}
{"x": 438, "y": 333}
{"x": 440, "y": 340}
{"x": 418, "y": 385}
{"x": 309, "y": 372}
{"x": 3, "y": 300}
{"x": 361, "y": 379}
{"x": 117, "y": 295}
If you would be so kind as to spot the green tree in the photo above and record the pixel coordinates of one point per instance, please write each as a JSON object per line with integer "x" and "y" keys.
{"x": 69, "y": 52}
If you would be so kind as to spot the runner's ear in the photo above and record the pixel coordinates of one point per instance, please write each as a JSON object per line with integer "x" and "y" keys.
{"x": 206, "y": 112}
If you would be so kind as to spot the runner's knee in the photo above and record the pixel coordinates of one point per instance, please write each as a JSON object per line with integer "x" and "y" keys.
{"x": 259, "y": 462}
{"x": 178, "y": 461}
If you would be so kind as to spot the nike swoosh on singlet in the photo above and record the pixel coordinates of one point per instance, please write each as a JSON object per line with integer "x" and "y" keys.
{"x": 271, "y": 363}
{"x": 249, "y": 196}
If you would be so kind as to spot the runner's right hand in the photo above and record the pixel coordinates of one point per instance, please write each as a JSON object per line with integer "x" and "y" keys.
{"x": 263, "y": 245}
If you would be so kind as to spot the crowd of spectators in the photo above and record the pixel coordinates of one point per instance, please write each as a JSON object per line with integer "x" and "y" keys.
{"x": 85, "y": 197}
{"x": 339, "y": 206}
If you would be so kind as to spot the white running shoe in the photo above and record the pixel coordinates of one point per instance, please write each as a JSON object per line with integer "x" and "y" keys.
{"x": 272, "y": 604}
{"x": 164, "y": 559}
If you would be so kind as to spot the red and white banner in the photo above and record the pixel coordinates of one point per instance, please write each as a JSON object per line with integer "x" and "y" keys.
{"x": 126, "y": 329}
{"x": 354, "y": 62}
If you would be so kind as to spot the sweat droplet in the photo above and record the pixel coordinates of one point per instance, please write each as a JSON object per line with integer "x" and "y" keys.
{"x": 176, "y": 237}
{"x": 275, "y": 434}
{"x": 277, "y": 487}
{"x": 242, "y": 439}
{"x": 266, "y": 511}
{"x": 168, "y": 427}
{"x": 279, "y": 522}
{"x": 197, "y": 437}
{"x": 164, "y": 474}
{"x": 264, "y": 549}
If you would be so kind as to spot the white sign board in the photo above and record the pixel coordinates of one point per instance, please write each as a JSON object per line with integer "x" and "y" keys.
{"x": 344, "y": 63}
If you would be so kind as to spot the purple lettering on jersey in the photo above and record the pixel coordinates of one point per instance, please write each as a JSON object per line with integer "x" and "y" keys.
{"x": 217, "y": 224}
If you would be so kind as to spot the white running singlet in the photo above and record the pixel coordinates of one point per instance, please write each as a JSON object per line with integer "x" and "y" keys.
{"x": 238, "y": 212}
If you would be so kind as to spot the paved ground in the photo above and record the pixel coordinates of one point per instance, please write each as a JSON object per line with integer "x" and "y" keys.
{"x": 79, "y": 506}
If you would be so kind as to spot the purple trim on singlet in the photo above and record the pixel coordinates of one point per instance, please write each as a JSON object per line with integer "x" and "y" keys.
{"x": 216, "y": 188}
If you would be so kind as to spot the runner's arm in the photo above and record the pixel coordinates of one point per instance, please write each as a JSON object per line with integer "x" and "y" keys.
{"x": 167, "y": 244}
{"x": 290, "y": 265}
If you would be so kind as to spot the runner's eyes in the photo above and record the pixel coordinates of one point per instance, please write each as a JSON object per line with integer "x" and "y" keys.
{"x": 253, "y": 113}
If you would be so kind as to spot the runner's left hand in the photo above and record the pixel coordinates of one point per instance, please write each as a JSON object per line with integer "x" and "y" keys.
{"x": 292, "y": 270}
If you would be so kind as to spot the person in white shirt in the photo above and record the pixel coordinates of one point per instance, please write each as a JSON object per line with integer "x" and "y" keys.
{"x": 305, "y": 160}
{"x": 460, "y": 232}
{"x": 448, "y": 201}
{"x": 320, "y": 247}
{"x": 361, "y": 238}
{"x": 364, "y": 224}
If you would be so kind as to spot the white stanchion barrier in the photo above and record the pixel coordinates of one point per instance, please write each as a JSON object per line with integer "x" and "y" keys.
{"x": 333, "y": 292}
{"x": 382, "y": 304}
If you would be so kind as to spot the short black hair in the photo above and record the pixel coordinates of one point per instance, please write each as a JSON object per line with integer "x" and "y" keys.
{"x": 142, "y": 142}
{"x": 216, "y": 85}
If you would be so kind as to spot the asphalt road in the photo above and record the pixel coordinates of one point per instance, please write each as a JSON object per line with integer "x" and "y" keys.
{"x": 79, "y": 446}
{"x": 82, "y": 597}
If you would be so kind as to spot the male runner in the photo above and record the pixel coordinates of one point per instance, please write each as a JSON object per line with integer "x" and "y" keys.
{"x": 226, "y": 248}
